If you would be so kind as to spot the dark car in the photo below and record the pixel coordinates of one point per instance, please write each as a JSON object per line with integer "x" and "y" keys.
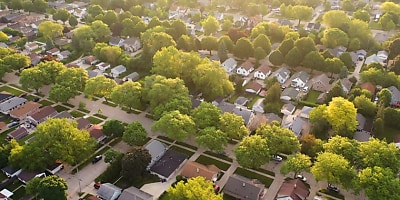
{"x": 12, "y": 124}
{"x": 333, "y": 188}
{"x": 97, "y": 185}
{"x": 36, "y": 99}
{"x": 97, "y": 159}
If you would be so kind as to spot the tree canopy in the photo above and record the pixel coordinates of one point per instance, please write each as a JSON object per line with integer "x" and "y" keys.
{"x": 193, "y": 189}
{"x": 176, "y": 125}
{"x": 252, "y": 152}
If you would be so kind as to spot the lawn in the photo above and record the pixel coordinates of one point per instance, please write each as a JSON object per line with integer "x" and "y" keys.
{"x": 3, "y": 135}
{"x": 184, "y": 151}
{"x": 166, "y": 138}
{"x": 110, "y": 103}
{"x": 10, "y": 90}
{"x": 101, "y": 116}
{"x": 138, "y": 182}
{"x": 252, "y": 175}
{"x": 227, "y": 197}
{"x": 3, "y": 177}
{"x": 94, "y": 120}
{"x": 60, "y": 108}
{"x": 389, "y": 134}
{"x": 76, "y": 114}
{"x": 205, "y": 160}
{"x": 46, "y": 103}
{"x": 68, "y": 105}
{"x": 14, "y": 186}
{"x": 20, "y": 193}
{"x": 271, "y": 173}
{"x": 21, "y": 88}
{"x": 30, "y": 97}
{"x": 89, "y": 160}
{"x": 186, "y": 145}
{"x": 84, "y": 110}
{"x": 312, "y": 96}
{"x": 218, "y": 156}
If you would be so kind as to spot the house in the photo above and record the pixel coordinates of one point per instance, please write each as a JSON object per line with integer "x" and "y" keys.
{"x": 79, "y": 13}
{"x": 18, "y": 134}
{"x": 195, "y": 102}
{"x": 246, "y": 68}
{"x": 382, "y": 55}
{"x": 295, "y": 124}
{"x": 90, "y": 60}
{"x": 42, "y": 115}
{"x": 245, "y": 113}
{"x": 282, "y": 74}
{"x": 226, "y": 107}
{"x": 5, "y": 96}
{"x": 96, "y": 132}
{"x": 292, "y": 190}
{"x": 263, "y": 71}
{"x": 321, "y": 83}
{"x": 26, "y": 176}
{"x": 108, "y": 191}
{"x": 336, "y": 52}
{"x": 241, "y": 187}
{"x": 345, "y": 83}
{"x": 241, "y": 101}
{"x": 361, "y": 54}
{"x": 258, "y": 106}
{"x": 272, "y": 117}
{"x": 131, "y": 44}
{"x": 103, "y": 66}
{"x": 10, "y": 171}
{"x": 363, "y": 129}
{"x": 305, "y": 112}
{"x": 53, "y": 52}
{"x": 289, "y": 93}
{"x": 63, "y": 55}
{"x": 23, "y": 111}
{"x": 31, "y": 46}
{"x": 35, "y": 58}
{"x": 55, "y": 168}
{"x": 229, "y": 65}
{"x": 63, "y": 115}
{"x": 288, "y": 109}
{"x": 118, "y": 70}
{"x": 368, "y": 86}
{"x": 253, "y": 87}
{"x": 134, "y": 76}
{"x": 83, "y": 123}
{"x": 168, "y": 163}
{"x": 395, "y": 95}
{"x": 92, "y": 73}
{"x": 11, "y": 104}
{"x": 193, "y": 169}
{"x": 156, "y": 149}
{"x": 300, "y": 79}
{"x": 321, "y": 98}
{"x": 62, "y": 42}
{"x": 116, "y": 41}
{"x": 132, "y": 193}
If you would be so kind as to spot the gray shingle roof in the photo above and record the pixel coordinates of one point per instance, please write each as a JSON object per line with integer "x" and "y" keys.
{"x": 133, "y": 193}
{"x": 243, "y": 188}
{"x": 107, "y": 191}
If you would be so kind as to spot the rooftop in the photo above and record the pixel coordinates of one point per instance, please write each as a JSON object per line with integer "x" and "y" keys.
{"x": 168, "y": 163}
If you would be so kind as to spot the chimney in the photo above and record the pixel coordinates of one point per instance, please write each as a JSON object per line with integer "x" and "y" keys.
{"x": 295, "y": 185}
{"x": 244, "y": 184}
{"x": 197, "y": 170}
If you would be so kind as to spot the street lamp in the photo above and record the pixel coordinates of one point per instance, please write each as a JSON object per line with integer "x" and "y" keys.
{"x": 80, "y": 189}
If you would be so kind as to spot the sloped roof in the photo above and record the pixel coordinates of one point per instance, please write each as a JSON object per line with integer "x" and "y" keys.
{"x": 156, "y": 150}
{"x": 133, "y": 193}
{"x": 243, "y": 188}
{"x": 302, "y": 75}
{"x": 290, "y": 92}
{"x": 295, "y": 189}
{"x": 96, "y": 131}
{"x": 322, "y": 78}
{"x": 244, "y": 113}
{"x": 368, "y": 86}
{"x": 193, "y": 169}
{"x": 264, "y": 68}
{"x": 24, "y": 109}
{"x": 254, "y": 85}
{"x": 11, "y": 103}
{"x": 107, "y": 191}
{"x": 283, "y": 72}
{"x": 43, "y": 113}
{"x": 19, "y": 133}
{"x": 83, "y": 123}
{"x": 247, "y": 65}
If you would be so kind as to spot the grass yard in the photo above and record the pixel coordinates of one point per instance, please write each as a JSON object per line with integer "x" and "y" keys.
{"x": 3, "y": 135}
{"x": 30, "y": 97}
{"x": 14, "y": 186}
{"x": 205, "y": 160}
{"x": 3, "y": 177}
{"x": 265, "y": 171}
{"x": 166, "y": 138}
{"x": 252, "y": 175}
{"x": 84, "y": 110}
{"x": 108, "y": 103}
{"x": 312, "y": 96}
{"x": 11, "y": 90}
{"x": 227, "y": 197}
{"x": 60, "y": 108}
{"x": 218, "y": 156}
{"x": 186, "y": 145}
{"x": 389, "y": 134}
{"x": 20, "y": 193}
{"x": 89, "y": 160}
{"x": 77, "y": 114}
{"x": 94, "y": 120}
{"x": 21, "y": 88}
{"x": 46, "y": 103}
{"x": 101, "y": 116}
{"x": 68, "y": 105}
{"x": 184, "y": 151}
{"x": 138, "y": 182}
{"x": 27, "y": 138}
{"x": 116, "y": 141}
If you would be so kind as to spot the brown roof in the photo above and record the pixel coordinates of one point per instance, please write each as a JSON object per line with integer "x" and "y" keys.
{"x": 264, "y": 68}
{"x": 295, "y": 189}
{"x": 83, "y": 123}
{"x": 18, "y": 133}
{"x": 368, "y": 86}
{"x": 24, "y": 109}
{"x": 2, "y": 125}
{"x": 254, "y": 86}
{"x": 43, "y": 113}
{"x": 93, "y": 198}
{"x": 247, "y": 65}
{"x": 194, "y": 169}
{"x": 89, "y": 59}
{"x": 96, "y": 131}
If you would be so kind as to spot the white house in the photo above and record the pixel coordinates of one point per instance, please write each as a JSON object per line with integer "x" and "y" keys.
{"x": 103, "y": 66}
{"x": 282, "y": 75}
{"x": 383, "y": 55}
{"x": 300, "y": 79}
{"x": 131, "y": 44}
{"x": 134, "y": 76}
{"x": 116, "y": 41}
{"x": 79, "y": 13}
{"x": 229, "y": 64}
{"x": 262, "y": 72}
{"x": 63, "y": 55}
{"x": 253, "y": 87}
{"x": 118, "y": 70}
{"x": 246, "y": 68}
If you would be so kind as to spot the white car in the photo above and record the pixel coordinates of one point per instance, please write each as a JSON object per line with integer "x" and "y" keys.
{"x": 277, "y": 158}
{"x": 301, "y": 177}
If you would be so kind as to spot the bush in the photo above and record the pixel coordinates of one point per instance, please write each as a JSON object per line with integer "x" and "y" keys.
{"x": 179, "y": 178}
{"x": 112, "y": 173}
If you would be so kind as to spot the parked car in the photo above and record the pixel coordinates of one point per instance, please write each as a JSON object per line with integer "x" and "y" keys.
{"x": 97, "y": 185}
{"x": 301, "y": 177}
{"x": 36, "y": 99}
{"x": 333, "y": 188}
{"x": 277, "y": 158}
{"x": 97, "y": 159}
{"x": 12, "y": 124}
{"x": 216, "y": 189}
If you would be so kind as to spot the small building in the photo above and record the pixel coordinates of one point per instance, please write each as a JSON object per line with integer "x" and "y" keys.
{"x": 305, "y": 112}
{"x": 10, "y": 171}
{"x": 116, "y": 41}
{"x": 193, "y": 169}
{"x": 118, "y": 70}
{"x": 131, "y": 44}
{"x": 245, "y": 68}
{"x": 55, "y": 168}
{"x": 263, "y": 71}
{"x": 133, "y": 193}
{"x": 15, "y": 102}
{"x": 26, "y": 176}
{"x": 23, "y": 111}
{"x": 6, "y": 194}
{"x": 5, "y": 96}
{"x": 395, "y": 95}
{"x": 241, "y": 187}
{"x": 241, "y": 101}
{"x": 103, "y": 66}
{"x": 53, "y": 52}
{"x": 258, "y": 106}
{"x": 289, "y": 94}
{"x": 108, "y": 191}
{"x": 96, "y": 132}
{"x": 83, "y": 123}
{"x": 282, "y": 75}
{"x": 156, "y": 149}
{"x": 229, "y": 65}
{"x": 321, "y": 83}
{"x": 288, "y": 109}
{"x": 63, "y": 55}
{"x": 17, "y": 134}
{"x": 245, "y": 113}
{"x": 90, "y": 60}
{"x": 42, "y": 115}
{"x": 134, "y": 76}
{"x": 253, "y": 87}
{"x": 293, "y": 190}
{"x": 169, "y": 163}
{"x": 300, "y": 79}
{"x": 368, "y": 86}
{"x": 294, "y": 124}
{"x": 272, "y": 117}
{"x": 63, "y": 115}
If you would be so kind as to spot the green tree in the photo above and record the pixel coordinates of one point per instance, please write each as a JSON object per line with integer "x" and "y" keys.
{"x": 60, "y": 93}
{"x": 31, "y": 78}
{"x": 194, "y": 188}
{"x": 227, "y": 41}
{"x": 134, "y": 163}
{"x": 113, "y": 128}
{"x": 111, "y": 156}
{"x": 50, "y": 29}
{"x": 310, "y": 145}
{"x": 82, "y": 38}
{"x": 346, "y": 59}
{"x": 100, "y": 31}
{"x": 153, "y": 41}
{"x": 62, "y": 15}
{"x": 176, "y": 125}
{"x": 341, "y": 114}
{"x": 206, "y": 114}
{"x": 135, "y": 134}
{"x": 305, "y": 45}
{"x": 333, "y": 168}
{"x": 347, "y": 5}
{"x": 95, "y": 10}
{"x": 365, "y": 106}
{"x": 209, "y": 43}
{"x": 394, "y": 48}
{"x": 296, "y": 163}
{"x": 226, "y": 25}
{"x": 362, "y": 15}
{"x": 333, "y": 65}
{"x": 314, "y": 60}
{"x": 379, "y": 153}
{"x": 286, "y": 46}
{"x": 334, "y": 37}
{"x": 276, "y": 58}
{"x": 263, "y": 42}
{"x": 252, "y": 152}
{"x": 179, "y": 28}
{"x": 128, "y": 94}
{"x": 210, "y": 25}
{"x": 279, "y": 140}
{"x": 73, "y": 78}
{"x": 302, "y": 13}
{"x": 212, "y": 139}
{"x": 335, "y": 18}
{"x": 3, "y": 37}
{"x": 348, "y": 148}
{"x": 52, "y": 188}
{"x": 294, "y": 57}
{"x": 110, "y": 17}
{"x": 17, "y": 61}
{"x": 99, "y": 86}
{"x": 222, "y": 52}
{"x": 73, "y": 21}
{"x": 233, "y": 126}
{"x": 32, "y": 186}
{"x": 243, "y": 48}
{"x": 377, "y": 177}
{"x": 385, "y": 97}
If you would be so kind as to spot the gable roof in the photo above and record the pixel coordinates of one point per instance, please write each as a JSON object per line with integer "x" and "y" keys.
{"x": 229, "y": 63}
{"x": 168, "y": 163}
{"x": 264, "y": 68}
{"x": 133, "y": 193}
{"x": 290, "y": 92}
{"x": 82, "y": 123}
{"x": 395, "y": 94}
{"x": 283, "y": 72}
{"x": 346, "y": 83}
{"x": 24, "y": 109}
{"x": 247, "y": 65}
{"x": 119, "y": 68}
{"x": 156, "y": 150}
{"x": 18, "y": 133}
{"x": 243, "y": 188}
{"x": 254, "y": 85}
{"x": 4, "y": 96}
{"x": 63, "y": 114}
{"x": 96, "y": 131}
{"x": 108, "y": 190}
{"x": 272, "y": 117}
{"x": 226, "y": 107}
{"x": 115, "y": 40}
{"x": 245, "y": 113}
{"x": 193, "y": 169}
{"x": 131, "y": 41}
{"x": 302, "y": 75}
{"x": 11, "y": 103}
{"x": 368, "y": 86}
{"x": 322, "y": 78}
{"x": 295, "y": 189}
{"x": 241, "y": 101}
{"x": 43, "y": 113}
